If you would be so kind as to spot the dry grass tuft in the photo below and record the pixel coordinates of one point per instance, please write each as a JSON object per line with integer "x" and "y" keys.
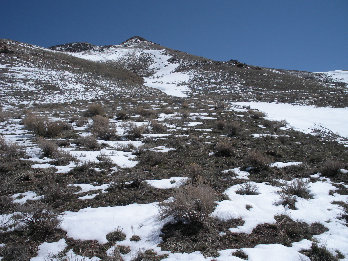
{"x": 191, "y": 204}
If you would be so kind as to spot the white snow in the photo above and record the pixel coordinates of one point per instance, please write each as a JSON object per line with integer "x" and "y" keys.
{"x": 47, "y": 250}
{"x": 173, "y": 182}
{"x": 338, "y": 75}
{"x": 240, "y": 174}
{"x": 273, "y": 252}
{"x": 165, "y": 78}
{"x": 305, "y": 118}
{"x": 89, "y": 187}
{"x": 265, "y": 206}
{"x": 161, "y": 149}
{"x": 121, "y": 158}
{"x": 22, "y": 198}
{"x": 263, "y": 209}
{"x": 96, "y": 223}
{"x": 285, "y": 164}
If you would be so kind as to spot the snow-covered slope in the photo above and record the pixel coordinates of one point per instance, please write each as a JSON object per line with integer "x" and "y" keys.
{"x": 337, "y": 75}
{"x": 160, "y": 72}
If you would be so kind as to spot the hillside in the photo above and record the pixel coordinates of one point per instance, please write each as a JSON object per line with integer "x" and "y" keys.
{"x": 137, "y": 151}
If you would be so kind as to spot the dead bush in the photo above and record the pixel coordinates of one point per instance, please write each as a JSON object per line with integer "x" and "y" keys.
{"x": 135, "y": 238}
{"x": 158, "y": 127}
{"x": 319, "y": 253}
{"x": 241, "y": 254}
{"x": 38, "y": 221}
{"x": 248, "y": 189}
{"x": 89, "y": 142}
{"x": 10, "y": 150}
{"x": 16, "y": 252}
{"x": 124, "y": 250}
{"x": 102, "y": 129}
{"x": 115, "y": 236}
{"x": 233, "y": 129}
{"x": 152, "y": 158}
{"x": 146, "y": 113}
{"x": 6, "y": 204}
{"x": 287, "y": 200}
{"x": 194, "y": 171}
{"x": 55, "y": 194}
{"x": 94, "y": 109}
{"x": 190, "y": 204}
{"x": 42, "y": 126}
{"x": 331, "y": 168}
{"x": 298, "y": 188}
{"x": 81, "y": 122}
{"x": 224, "y": 149}
{"x": 220, "y": 125}
{"x": 49, "y": 148}
{"x": 105, "y": 161}
{"x": 3, "y": 115}
{"x": 258, "y": 161}
{"x": 122, "y": 115}
{"x": 256, "y": 114}
{"x": 149, "y": 255}
{"x": 135, "y": 132}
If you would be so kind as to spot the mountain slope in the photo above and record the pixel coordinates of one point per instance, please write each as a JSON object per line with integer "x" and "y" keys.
{"x": 34, "y": 74}
{"x": 199, "y": 76}
{"x": 140, "y": 152}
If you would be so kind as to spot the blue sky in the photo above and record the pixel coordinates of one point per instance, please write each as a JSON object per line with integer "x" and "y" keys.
{"x": 291, "y": 34}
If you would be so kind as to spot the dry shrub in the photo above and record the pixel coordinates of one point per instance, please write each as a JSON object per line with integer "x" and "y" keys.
{"x": 42, "y": 126}
{"x": 331, "y": 168}
{"x": 220, "y": 125}
{"x": 319, "y": 253}
{"x": 135, "y": 132}
{"x": 89, "y": 142}
{"x": 256, "y": 114}
{"x": 3, "y": 115}
{"x": 258, "y": 161}
{"x": 298, "y": 188}
{"x": 102, "y": 129}
{"x": 124, "y": 250}
{"x": 224, "y": 149}
{"x": 194, "y": 171}
{"x": 152, "y": 158}
{"x": 6, "y": 204}
{"x": 147, "y": 113}
{"x": 49, "y": 148}
{"x": 158, "y": 127}
{"x": 122, "y": 115}
{"x": 248, "y": 189}
{"x": 94, "y": 109}
{"x": 191, "y": 204}
{"x": 135, "y": 238}
{"x": 148, "y": 254}
{"x": 38, "y": 221}
{"x": 241, "y": 254}
{"x": 81, "y": 122}
{"x": 9, "y": 151}
{"x": 287, "y": 200}
{"x": 116, "y": 235}
{"x": 17, "y": 252}
{"x": 233, "y": 128}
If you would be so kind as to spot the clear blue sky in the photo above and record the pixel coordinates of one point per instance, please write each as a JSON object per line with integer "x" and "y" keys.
{"x": 292, "y": 34}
